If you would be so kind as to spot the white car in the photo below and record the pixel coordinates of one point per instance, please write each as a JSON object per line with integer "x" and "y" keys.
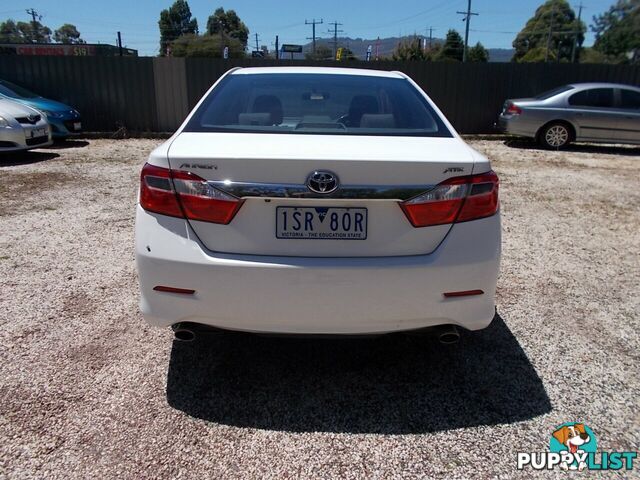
{"x": 307, "y": 200}
{"x": 22, "y": 127}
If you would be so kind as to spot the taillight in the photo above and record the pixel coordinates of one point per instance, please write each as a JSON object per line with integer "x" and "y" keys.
{"x": 156, "y": 191}
{"x": 186, "y": 195}
{"x": 457, "y": 199}
{"x": 513, "y": 109}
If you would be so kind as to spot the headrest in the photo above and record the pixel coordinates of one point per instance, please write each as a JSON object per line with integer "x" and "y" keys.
{"x": 263, "y": 119}
{"x": 377, "y": 120}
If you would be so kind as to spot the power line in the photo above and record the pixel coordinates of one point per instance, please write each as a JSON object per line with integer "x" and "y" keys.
{"x": 529, "y": 32}
{"x": 313, "y": 24}
{"x": 467, "y": 19}
{"x": 335, "y": 32}
{"x": 446, "y": 3}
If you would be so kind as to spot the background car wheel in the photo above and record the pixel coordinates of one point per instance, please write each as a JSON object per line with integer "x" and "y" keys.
{"x": 555, "y": 135}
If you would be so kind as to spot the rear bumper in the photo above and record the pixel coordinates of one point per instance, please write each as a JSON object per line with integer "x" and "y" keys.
{"x": 316, "y": 295}
{"x": 517, "y": 125}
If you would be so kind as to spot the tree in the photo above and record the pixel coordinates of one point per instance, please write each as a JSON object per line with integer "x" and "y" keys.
{"x": 347, "y": 54}
{"x": 409, "y": 50}
{"x": 591, "y": 55}
{"x": 193, "y": 45}
{"x": 554, "y": 25}
{"x": 539, "y": 55}
{"x": 10, "y": 33}
{"x": 618, "y": 30}
{"x": 174, "y": 22}
{"x": 452, "y": 48}
{"x": 322, "y": 53}
{"x": 228, "y": 24}
{"x": 34, "y": 32}
{"x": 68, "y": 34}
{"x": 478, "y": 54}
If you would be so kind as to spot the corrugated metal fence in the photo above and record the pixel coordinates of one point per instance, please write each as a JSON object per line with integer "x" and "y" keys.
{"x": 155, "y": 94}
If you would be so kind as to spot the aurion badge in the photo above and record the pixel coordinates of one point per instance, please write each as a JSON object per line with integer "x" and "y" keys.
{"x": 322, "y": 181}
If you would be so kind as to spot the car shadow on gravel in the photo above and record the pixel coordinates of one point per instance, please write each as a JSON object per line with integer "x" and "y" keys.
{"x": 392, "y": 384}
{"x": 25, "y": 158}
{"x": 628, "y": 150}
{"x": 67, "y": 143}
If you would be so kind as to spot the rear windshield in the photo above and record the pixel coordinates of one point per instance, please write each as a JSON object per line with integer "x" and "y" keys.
{"x": 14, "y": 91}
{"x": 554, "y": 92}
{"x": 317, "y": 104}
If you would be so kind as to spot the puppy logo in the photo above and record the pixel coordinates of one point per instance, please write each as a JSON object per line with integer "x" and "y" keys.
{"x": 578, "y": 440}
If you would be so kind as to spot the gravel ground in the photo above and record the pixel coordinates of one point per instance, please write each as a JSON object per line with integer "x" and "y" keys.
{"x": 88, "y": 390}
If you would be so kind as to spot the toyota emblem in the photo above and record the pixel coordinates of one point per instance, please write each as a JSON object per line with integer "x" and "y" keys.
{"x": 322, "y": 181}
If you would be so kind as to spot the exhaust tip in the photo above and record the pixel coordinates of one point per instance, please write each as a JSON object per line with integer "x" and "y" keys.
{"x": 449, "y": 336}
{"x": 183, "y": 333}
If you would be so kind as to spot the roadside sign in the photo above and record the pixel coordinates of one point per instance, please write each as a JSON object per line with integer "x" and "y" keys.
{"x": 290, "y": 48}
{"x": 369, "y": 50}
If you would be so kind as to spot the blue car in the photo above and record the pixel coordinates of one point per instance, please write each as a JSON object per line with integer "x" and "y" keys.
{"x": 64, "y": 120}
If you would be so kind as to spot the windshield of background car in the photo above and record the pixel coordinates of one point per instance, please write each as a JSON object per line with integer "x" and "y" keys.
{"x": 14, "y": 91}
{"x": 317, "y": 104}
{"x": 553, "y": 93}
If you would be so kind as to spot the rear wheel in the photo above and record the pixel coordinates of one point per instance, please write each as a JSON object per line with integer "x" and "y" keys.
{"x": 555, "y": 135}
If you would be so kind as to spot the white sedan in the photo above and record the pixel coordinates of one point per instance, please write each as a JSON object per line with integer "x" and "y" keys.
{"x": 307, "y": 200}
{"x": 22, "y": 127}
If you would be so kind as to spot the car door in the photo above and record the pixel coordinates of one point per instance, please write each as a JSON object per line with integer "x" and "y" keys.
{"x": 629, "y": 121}
{"x": 594, "y": 114}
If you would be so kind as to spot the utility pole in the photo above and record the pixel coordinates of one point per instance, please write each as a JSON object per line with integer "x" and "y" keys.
{"x": 35, "y": 17}
{"x": 546, "y": 55}
{"x": 222, "y": 40}
{"x": 277, "y": 48}
{"x": 335, "y": 32}
{"x": 313, "y": 24}
{"x": 120, "y": 43}
{"x": 431, "y": 29}
{"x": 257, "y": 43}
{"x": 576, "y": 33}
{"x": 467, "y": 18}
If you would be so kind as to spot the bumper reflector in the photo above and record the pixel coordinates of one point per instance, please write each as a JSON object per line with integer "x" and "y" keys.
{"x": 184, "y": 291}
{"x": 463, "y": 293}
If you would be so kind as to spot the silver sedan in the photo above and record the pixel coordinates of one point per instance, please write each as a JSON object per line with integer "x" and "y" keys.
{"x": 583, "y": 112}
{"x": 22, "y": 127}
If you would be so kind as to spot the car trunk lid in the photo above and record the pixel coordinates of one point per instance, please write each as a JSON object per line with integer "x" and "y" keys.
{"x": 269, "y": 172}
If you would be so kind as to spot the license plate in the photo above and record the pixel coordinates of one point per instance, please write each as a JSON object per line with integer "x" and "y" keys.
{"x": 321, "y": 223}
{"x": 38, "y": 132}
{"x": 77, "y": 126}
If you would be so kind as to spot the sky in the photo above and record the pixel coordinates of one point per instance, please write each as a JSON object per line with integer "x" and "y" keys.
{"x": 98, "y": 21}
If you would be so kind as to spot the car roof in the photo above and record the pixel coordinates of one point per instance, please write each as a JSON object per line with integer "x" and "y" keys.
{"x": 318, "y": 70}
{"x": 602, "y": 85}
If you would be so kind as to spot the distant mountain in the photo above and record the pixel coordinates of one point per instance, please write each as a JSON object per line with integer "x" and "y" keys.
{"x": 500, "y": 54}
{"x": 386, "y": 46}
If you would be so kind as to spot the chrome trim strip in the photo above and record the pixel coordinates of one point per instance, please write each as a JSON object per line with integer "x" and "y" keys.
{"x": 292, "y": 190}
